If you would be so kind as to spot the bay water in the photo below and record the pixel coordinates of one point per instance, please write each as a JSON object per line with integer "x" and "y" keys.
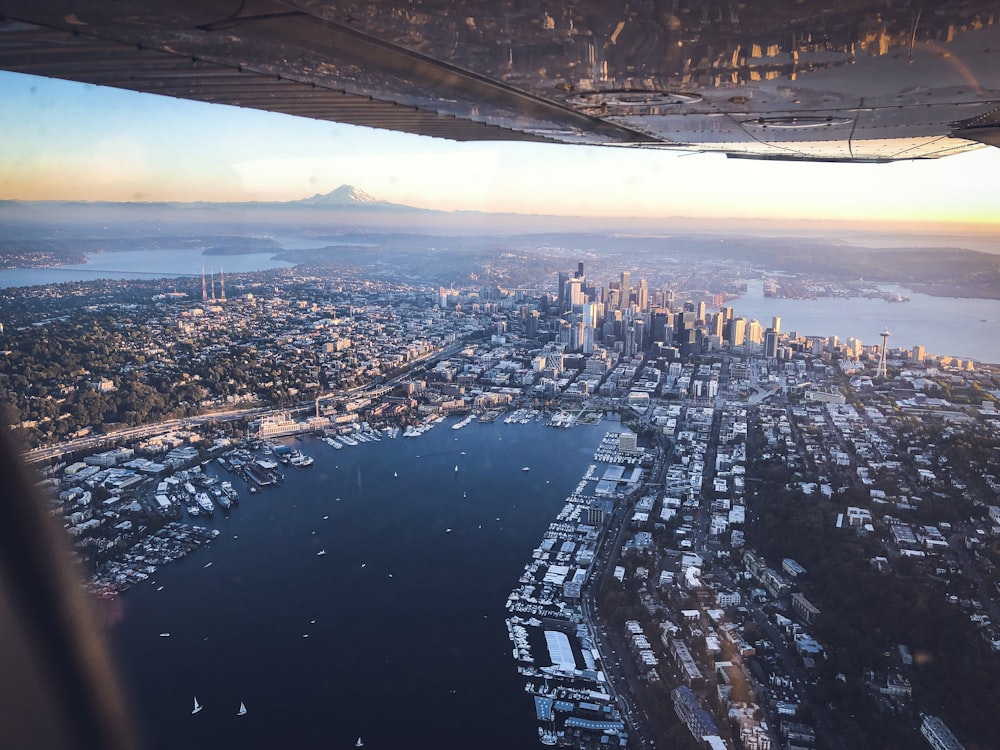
{"x": 141, "y": 264}
{"x": 955, "y": 326}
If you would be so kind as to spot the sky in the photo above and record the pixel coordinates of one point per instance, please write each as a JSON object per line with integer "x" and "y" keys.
{"x": 71, "y": 141}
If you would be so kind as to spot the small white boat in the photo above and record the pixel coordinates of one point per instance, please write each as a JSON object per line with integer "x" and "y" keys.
{"x": 197, "y": 706}
{"x": 525, "y": 468}
{"x": 164, "y": 635}
{"x": 456, "y": 468}
{"x": 359, "y": 743}
{"x": 321, "y": 553}
{"x": 243, "y": 709}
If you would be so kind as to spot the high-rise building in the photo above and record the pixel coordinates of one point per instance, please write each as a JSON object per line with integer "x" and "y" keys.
{"x": 574, "y": 293}
{"x": 630, "y": 348}
{"x": 770, "y": 343}
{"x": 565, "y": 332}
{"x": 590, "y": 314}
{"x": 661, "y": 322}
{"x": 701, "y": 311}
{"x": 755, "y": 332}
{"x": 776, "y": 324}
{"x": 640, "y": 335}
{"x": 625, "y": 287}
{"x": 918, "y": 354}
{"x": 715, "y": 324}
{"x": 579, "y": 270}
{"x": 531, "y": 326}
{"x": 642, "y": 296}
{"x": 563, "y": 279}
{"x": 738, "y": 332}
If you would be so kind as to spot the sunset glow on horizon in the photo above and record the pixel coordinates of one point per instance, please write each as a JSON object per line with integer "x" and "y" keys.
{"x": 71, "y": 141}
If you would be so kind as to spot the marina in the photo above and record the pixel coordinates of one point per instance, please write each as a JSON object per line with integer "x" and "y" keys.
{"x": 554, "y": 645}
{"x": 390, "y": 556}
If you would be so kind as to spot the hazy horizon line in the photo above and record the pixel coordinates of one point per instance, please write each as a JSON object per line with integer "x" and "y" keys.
{"x": 986, "y": 228}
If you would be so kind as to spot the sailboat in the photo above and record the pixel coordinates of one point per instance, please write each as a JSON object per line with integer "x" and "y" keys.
{"x": 243, "y": 709}
{"x": 197, "y": 706}
{"x": 359, "y": 743}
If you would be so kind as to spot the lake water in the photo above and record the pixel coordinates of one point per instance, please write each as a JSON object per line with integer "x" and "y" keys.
{"x": 141, "y": 264}
{"x": 396, "y": 633}
{"x": 959, "y": 327}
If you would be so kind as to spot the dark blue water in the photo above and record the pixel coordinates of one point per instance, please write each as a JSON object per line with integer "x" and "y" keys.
{"x": 409, "y": 646}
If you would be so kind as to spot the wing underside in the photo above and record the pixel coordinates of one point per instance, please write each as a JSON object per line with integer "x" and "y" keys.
{"x": 861, "y": 81}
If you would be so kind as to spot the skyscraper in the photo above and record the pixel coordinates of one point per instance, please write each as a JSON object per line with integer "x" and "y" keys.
{"x": 630, "y": 341}
{"x": 532, "y": 324}
{"x": 716, "y": 323}
{"x": 776, "y": 324}
{"x": 642, "y": 296}
{"x": 625, "y": 286}
{"x": 738, "y": 332}
{"x": 770, "y": 343}
{"x": 563, "y": 279}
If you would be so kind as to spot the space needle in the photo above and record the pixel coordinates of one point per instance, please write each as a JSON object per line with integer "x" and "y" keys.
{"x": 881, "y": 371}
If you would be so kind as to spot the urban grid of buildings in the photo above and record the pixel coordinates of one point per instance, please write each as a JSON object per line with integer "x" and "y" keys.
{"x": 668, "y": 518}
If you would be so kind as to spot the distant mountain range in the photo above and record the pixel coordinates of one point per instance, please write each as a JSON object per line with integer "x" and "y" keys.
{"x": 348, "y": 208}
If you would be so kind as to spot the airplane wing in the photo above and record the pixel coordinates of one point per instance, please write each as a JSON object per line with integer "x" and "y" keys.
{"x": 858, "y": 80}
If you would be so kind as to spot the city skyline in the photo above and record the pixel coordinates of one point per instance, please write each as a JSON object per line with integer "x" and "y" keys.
{"x": 71, "y": 141}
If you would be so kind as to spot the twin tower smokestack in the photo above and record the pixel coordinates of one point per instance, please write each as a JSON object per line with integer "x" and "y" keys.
{"x": 222, "y": 285}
